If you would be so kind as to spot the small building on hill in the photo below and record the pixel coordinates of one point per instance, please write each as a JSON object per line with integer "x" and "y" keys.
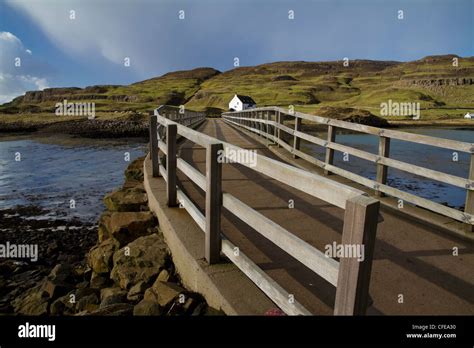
{"x": 469, "y": 116}
{"x": 241, "y": 102}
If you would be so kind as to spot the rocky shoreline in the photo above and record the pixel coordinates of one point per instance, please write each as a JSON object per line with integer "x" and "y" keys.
{"x": 83, "y": 128}
{"x": 123, "y": 269}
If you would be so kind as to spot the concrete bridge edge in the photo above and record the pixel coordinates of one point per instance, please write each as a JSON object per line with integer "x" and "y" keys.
{"x": 223, "y": 285}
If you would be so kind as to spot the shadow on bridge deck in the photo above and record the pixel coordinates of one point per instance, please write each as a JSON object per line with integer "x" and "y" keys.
{"x": 412, "y": 261}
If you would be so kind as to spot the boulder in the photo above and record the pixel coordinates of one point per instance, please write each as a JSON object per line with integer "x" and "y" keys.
{"x": 32, "y": 302}
{"x": 164, "y": 275}
{"x": 135, "y": 170}
{"x": 89, "y": 302}
{"x": 133, "y": 184}
{"x": 55, "y": 289}
{"x": 103, "y": 232}
{"x": 126, "y": 200}
{"x": 58, "y": 307}
{"x": 125, "y": 227}
{"x": 140, "y": 260}
{"x": 62, "y": 272}
{"x": 99, "y": 281}
{"x": 135, "y": 293}
{"x": 57, "y": 283}
{"x": 145, "y": 307}
{"x": 100, "y": 257}
{"x": 110, "y": 296}
{"x": 163, "y": 293}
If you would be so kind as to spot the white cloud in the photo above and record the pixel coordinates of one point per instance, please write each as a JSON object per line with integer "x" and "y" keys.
{"x": 17, "y": 75}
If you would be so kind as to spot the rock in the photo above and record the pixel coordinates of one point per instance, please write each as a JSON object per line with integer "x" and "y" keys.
{"x": 133, "y": 184}
{"x": 164, "y": 275}
{"x": 145, "y": 307}
{"x": 79, "y": 270}
{"x": 58, "y": 307}
{"x": 125, "y": 227}
{"x": 81, "y": 292}
{"x": 32, "y": 302}
{"x": 57, "y": 283}
{"x": 53, "y": 247}
{"x": 140, "y": 260}
{"x": 136, "y": 292}
{"x": 61, "y": 273}
{"x": 114, "y": 310}
{"x": 55, "y": 290}
{"x": 89, "y": 302}
{"x": 103, "y": 232}
{"x": 82, "y": 285}
{"x": 126, "y": 200}
{"x": 65, "y": 304}
{"x": 163, "y": 293}
{"x": 135, "y": 170}
{"x": 100, "y": 257}
{"x": 99, "y": 281}
{"x": 110, "y": 296}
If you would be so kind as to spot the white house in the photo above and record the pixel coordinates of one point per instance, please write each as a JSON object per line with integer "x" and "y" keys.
{"x": 469, "y": 116}
{"x": 241, "y": 102}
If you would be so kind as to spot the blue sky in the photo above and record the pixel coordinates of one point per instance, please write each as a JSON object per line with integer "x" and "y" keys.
{"x": 58, "y": 51}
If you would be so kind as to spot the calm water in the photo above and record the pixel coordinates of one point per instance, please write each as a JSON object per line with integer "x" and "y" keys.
{"x": 422, "y": 155}
{"x": 52, "y": 172}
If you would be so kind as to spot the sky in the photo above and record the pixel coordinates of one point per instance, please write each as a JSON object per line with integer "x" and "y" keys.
{"x": 64, "y": 43}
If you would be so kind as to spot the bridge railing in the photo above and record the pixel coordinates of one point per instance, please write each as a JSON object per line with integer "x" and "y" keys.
{"x": 350, "y": 276}
{"x": 268, "y": 122}
{"x": 180, "y": 115}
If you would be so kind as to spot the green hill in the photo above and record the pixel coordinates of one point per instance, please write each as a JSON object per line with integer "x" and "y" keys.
{"x": 443, "y": 90}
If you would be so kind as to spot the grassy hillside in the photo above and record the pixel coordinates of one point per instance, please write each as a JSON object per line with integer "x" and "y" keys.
{"x": 443, "y": 91}
{"x": 173, "y": 88}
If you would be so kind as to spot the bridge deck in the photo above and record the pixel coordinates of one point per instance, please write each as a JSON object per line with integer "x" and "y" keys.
{"x": 410, "y": 259}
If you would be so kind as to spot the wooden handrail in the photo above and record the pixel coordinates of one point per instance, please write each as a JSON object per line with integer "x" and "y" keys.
{"x": 415, "y": 138}
{"x": 359, "y": 225}
{"x": 381, "y": 159}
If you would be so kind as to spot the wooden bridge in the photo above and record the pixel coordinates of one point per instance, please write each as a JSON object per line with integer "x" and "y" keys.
{"x": 272, "y": 210}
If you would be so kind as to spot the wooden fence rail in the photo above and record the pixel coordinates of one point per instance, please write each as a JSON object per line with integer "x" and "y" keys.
{"x": 271, "y": 125}
{"x": 350, "y": 276}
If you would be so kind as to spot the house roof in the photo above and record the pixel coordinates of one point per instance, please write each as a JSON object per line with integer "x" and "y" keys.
{"x": 245, "y": 99}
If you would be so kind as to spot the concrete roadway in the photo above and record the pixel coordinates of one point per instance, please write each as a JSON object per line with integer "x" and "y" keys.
{"x": 414, "y": 269}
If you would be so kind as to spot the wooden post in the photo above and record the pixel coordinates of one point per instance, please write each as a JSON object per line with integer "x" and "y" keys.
{"x": 267, "y": 126}
{"x": 154, "y": 146}
{"x": 360, "y": 227}
{"x": 469, "y": 206}
{"x": 171, "y": 133}
{"x": 296, "y": 140}
{"x": 259, "y": 125}
{"x": 384, "y": 151}
{"x": 329, "y": 151}
{"x": 213, "y": 203}
{"x": 278, "y": 129}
